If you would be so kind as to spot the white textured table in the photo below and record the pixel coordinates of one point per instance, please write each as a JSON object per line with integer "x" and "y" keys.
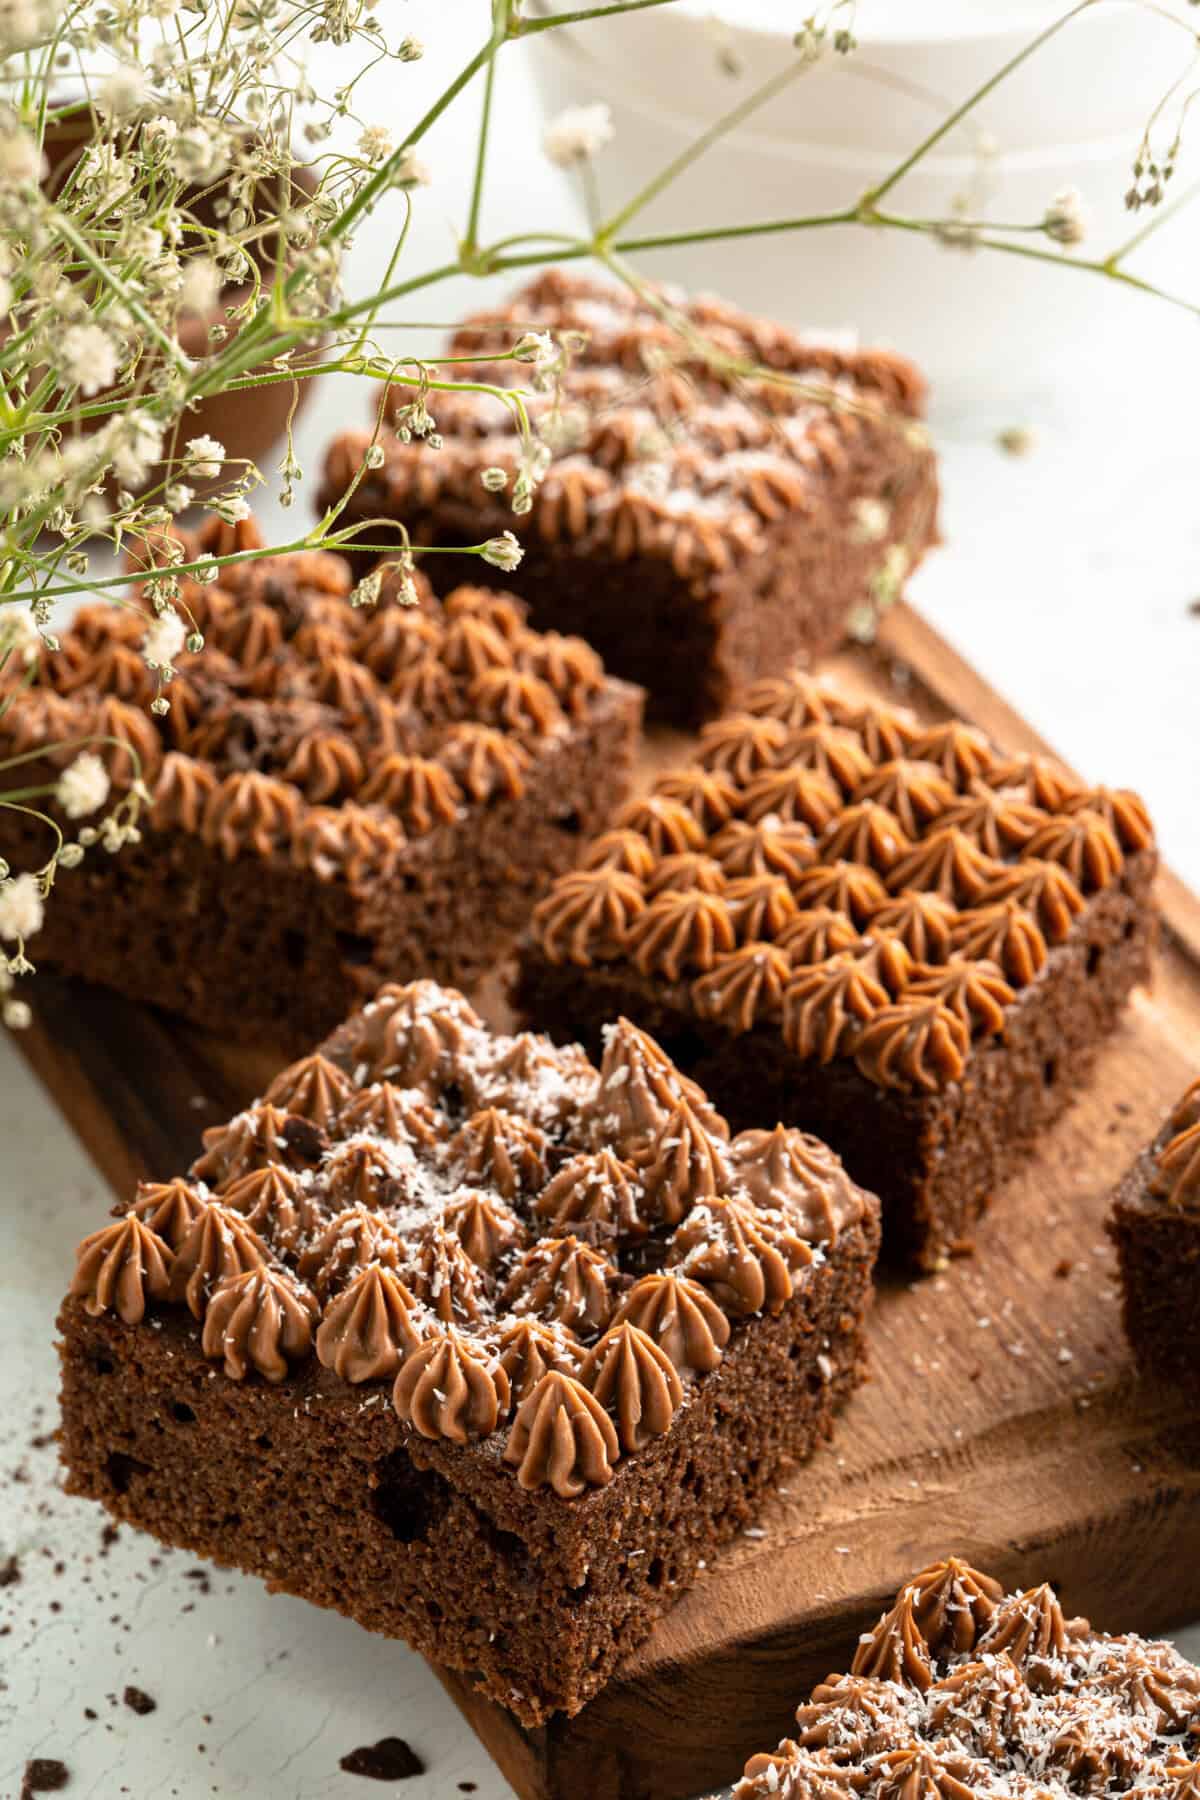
{"x": 1066, "y": 579}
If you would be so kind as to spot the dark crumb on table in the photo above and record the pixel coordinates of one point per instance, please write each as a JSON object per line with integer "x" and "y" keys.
{"x": 10, "y": 1572}
{"x": 89, "y": 1712}
{"x": 138, "y": 1701}
{"x": 467, "y": 1787}
{"x": 391, "y": 1759}
{"x": 1063, "y": 1269}
{"x": 44, "y": 1775}
{"x": 108, "y": 1538}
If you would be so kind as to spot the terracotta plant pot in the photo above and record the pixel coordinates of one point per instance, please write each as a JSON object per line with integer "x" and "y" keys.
{"x": 249, "y": 421}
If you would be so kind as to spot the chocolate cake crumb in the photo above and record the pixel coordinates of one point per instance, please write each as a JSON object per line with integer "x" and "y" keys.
{"x": 108, "y": 1538}
{"x": 391, "y": 1759}
{"x": 1063, "y": 1269}
{"x": 138, "y": 1701}
{"x": 44, "y": 1775}
{"x": 10, "y": 1572}
{"x": 467, "y": 1787}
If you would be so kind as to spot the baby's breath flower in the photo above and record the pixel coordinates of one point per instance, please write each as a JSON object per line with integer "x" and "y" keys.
{"x": 871, "y": 518}
{"x": 83, "y": 786}
{"x": 366, "y": 593}
{"x": 503, "y": 552}
{"x": 105, "y": 174}
{"x": 375, "y": 143}
{"x": 115, "y": 833}
{"x": 957, "y": 234}
{"x": 495, "y": 479}
{"x": 19, "y": 636}
{"x": 1065, "y": 220}
{"x": 204, "y": 456}
{"x": 233, "y": 508}
{"x": 21, "y": 162}
{"x": 888, "y": 579}
{"x": 411, "y": 50}
{"x": 577, "y": 133}
{"x": 16, "y": 1015}
{"x": 87, "y": 356}
{"x": 810, "y": 42}
{"x": 199, "y": 152}
{"x": 164, "y": 640}
{"x": 23, "y": 22}
{"x": 21, "y": 907}
{"x": 157, "y": 135}
{"x": 200, "y": 288}
{"x": 70, "y": 856}
{"x": 536, "y": 347}
{"x": 124, "y": 90}
{"x": 411, "y": 172}
{"x": 136, "y": 444}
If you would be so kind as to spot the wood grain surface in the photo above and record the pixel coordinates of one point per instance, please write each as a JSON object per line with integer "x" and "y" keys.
{"x": 1003, "y": 1420}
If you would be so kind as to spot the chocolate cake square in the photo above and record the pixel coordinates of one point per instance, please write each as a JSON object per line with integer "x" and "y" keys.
{"x": 723, "y": 495}
{"x": 338, "y": 796}
{"x": 1155, "y": 1225}
{"x": 481, "y": 1345}
{"x": 885, "y": 932}
{"x": 963, "y": 1690}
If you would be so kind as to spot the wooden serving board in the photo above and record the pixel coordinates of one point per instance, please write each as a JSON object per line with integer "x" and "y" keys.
{"x": 1003, "y": 1422}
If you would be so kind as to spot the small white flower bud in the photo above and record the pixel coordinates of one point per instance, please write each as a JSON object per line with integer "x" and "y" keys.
{"x": 503, "y": 552}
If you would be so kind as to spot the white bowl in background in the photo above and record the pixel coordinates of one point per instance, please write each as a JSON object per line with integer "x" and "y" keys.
{"x": 1072, "y": 116}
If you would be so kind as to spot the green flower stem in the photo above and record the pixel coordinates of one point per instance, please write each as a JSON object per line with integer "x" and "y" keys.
{"x": 530, "y": 27}
{"x": 377, "y": 368}
{"x": 397, "y": 250}
{"x": 13, "y": 795}
{"x": 33, "y": 813}
{"x": 109, "y": 279}
{"x": 768, "y": 90}
{"x": 320, "y": 539}
{"x": 471, "y": 235}
{"x": 385, "y": 176}
{"x": 1032, "y": 252}
{"x": 1157, "y": 219}
{"x": 959, "y": 113}
{"x": 78, "y": 743}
